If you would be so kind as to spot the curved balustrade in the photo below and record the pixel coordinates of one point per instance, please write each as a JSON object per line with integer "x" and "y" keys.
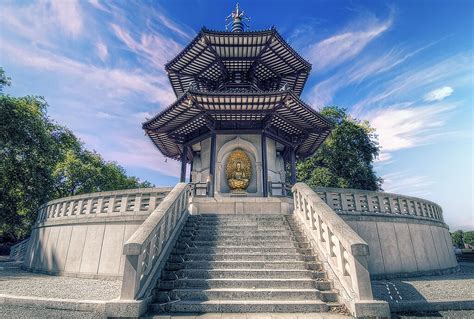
{"x": 344, "y": 250}
{"x": 354, "y": 200}
{"x": 130, "y": 201}
{"x": 147, "y": 247}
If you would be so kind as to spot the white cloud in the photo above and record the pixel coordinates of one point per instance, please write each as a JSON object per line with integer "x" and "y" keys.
{"x": 323, "y": 93}
{"x": 439, "y": 94}
{"x": 407, "y": 183}
{"x": 102, "y": 50}
{"x": 406, "y": 125}
{"x": 68, "y": 15}
{"x": 155, "y": 48}
{"x": 383, "y": 157}
{"x": 110, "y": 81}
{"x": 341, "y": 47}
{"x": 455, "y": 68}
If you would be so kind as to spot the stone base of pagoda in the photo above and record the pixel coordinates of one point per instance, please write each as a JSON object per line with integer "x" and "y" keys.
{"x": 241, "y": 205}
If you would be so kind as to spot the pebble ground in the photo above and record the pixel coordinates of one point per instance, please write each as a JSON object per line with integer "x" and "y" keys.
{"x": 457, "y": 286}
{"x": 14, "y": 281}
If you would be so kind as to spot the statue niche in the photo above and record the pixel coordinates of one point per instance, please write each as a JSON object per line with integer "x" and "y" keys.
{"x": 238, "y": 171}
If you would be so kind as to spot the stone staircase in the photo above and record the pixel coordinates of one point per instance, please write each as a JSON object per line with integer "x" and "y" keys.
{"x": 243, "y": 263}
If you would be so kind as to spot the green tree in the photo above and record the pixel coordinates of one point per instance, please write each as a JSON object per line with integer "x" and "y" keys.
{"x": 40, "y": 161}
{"x": 345, "y": 158}
{"x": 86, "y": 172}
{"x": 457, "y": 238}
{"x": 469, "y": 237}
{"x": 4, "y": 79}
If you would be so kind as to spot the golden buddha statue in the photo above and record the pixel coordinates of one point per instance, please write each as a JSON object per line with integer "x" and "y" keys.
{"x": 238, "y": 171}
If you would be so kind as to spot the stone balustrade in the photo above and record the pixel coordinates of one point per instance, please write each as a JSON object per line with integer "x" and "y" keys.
{"x": 342, "y": 248}
{"x": 18, "y": 251}
{"x": 148, "y": 248}
{"x": 122, "y": 202}
{"x": 343, "y": 200}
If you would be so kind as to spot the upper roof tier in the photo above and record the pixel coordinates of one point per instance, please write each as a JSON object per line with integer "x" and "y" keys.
{"x": 215, "y": 58}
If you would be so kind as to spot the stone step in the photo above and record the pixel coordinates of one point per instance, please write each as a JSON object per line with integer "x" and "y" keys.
{"x": 278, "y": 221}
{"x": 232, "y": 264}
{"x": 242, "y": 273}
{"x": 237, "y": 232}
{"x": 240, "y": 306}
{"x": 242, "y": 243}
{"x": 242, "y": 257}
{"x": 298, "y": 283}
{"x": 252, "y": 228}
{"x": 252, "y": 237}
{"x": 241, "y": 250}
{"x": 237, "y": 217}
{"x": 239, "y": 294}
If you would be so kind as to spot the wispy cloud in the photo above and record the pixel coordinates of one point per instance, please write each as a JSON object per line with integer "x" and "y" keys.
{"x": 408, "y": 125}
{"x": 68, "y": 15}
{"x": 454, "y": 68}
{"x": 115, "y": 82}
{"x": 407, "y": 183}
{"x": 102, "y": 50}
{"x": 438, "y": 94}
{"x": 155, "y": 48}
{"x": 346, "y": 44}
{"x": 365, "y": 68}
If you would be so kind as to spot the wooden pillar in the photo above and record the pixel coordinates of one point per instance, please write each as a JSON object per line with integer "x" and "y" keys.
{"x": 293, "y": 166}
{"x": 191, "y": 171}
{"x": 184, "y": 160}
{"x": 212, "y": 165}
{"x": 264, "y": 165}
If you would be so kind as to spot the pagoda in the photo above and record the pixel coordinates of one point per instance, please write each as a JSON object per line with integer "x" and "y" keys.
{"x": 238, "y": 119}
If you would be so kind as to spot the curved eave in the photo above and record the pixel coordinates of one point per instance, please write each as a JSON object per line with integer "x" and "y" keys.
{"x": 197, "y": 112}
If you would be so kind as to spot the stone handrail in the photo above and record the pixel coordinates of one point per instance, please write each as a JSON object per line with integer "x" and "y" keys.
{"x": 18, "y": 251}
{"x": 145, "y": 250}
{"x": 122, "y": 202}
{"x": 355, "y": 200}
{"x": 345, "y": 252}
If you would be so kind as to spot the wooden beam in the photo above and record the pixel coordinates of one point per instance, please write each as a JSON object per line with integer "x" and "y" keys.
{"x": 264, "y": 166}
{"x": 292, "y": 166}
{"x": 184, "y": 161}
{"x": 212, "y": 164}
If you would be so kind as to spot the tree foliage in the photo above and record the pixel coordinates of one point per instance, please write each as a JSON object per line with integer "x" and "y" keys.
{"x": 460, "y": 238}
{"x": 469, "y": 237}
{"x": 40, "y": 161}
{"x": 345, "y": 158}
{"x": 457, "y": 238}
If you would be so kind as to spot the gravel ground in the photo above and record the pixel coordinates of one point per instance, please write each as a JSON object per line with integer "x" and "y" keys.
{"x": 13, "y": 312}
{"x": 14, "y": 281}
{"x": 456, "y": 286}
{"x": 451, "y": 314}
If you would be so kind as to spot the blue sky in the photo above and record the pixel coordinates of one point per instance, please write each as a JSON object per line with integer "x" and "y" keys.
{"x": 406, "y": 66}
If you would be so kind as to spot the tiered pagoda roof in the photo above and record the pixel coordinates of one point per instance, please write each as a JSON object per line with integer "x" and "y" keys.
{"x": 240, "y": 82}
{"x": 213, "y": 57}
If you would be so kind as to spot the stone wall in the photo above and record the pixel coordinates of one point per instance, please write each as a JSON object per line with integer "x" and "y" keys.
{"x": 406, "y": 235}
{"x": 84, "y": 235}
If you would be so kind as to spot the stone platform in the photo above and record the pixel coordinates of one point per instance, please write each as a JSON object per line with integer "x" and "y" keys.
{"x": 241, "y": 205}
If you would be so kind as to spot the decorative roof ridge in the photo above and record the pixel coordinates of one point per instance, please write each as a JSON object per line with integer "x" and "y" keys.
{"x": 311, "y": 109}
{"x": 272, "y": 29}
{"x": 272, "y": 92}
{"x": 283, "y": 41}
{"x": 169, "y": 107}
{"x": 185, "y": 49}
